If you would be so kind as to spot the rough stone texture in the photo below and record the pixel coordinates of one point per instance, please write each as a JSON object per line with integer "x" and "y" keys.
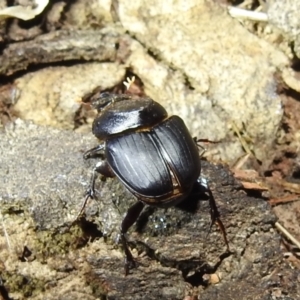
{"x": 285, "y": 16}
{"x": 32, "y": 155}
{"x": 43, "y": 182}
{"x": 52, "y": 96}
{"x": 97, "y": 13}
{"x": 297, "y": 47}
{"x": 2, "y": 22}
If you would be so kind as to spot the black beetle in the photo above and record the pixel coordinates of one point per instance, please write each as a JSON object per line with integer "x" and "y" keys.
{"x": 152, "y": 154}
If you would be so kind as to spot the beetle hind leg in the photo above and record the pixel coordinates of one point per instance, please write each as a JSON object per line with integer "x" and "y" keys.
{"x": 214, "y": 213}
{"x": 94, "y": 152}
{"x": 130, "y": 218}
{"x": 215, "y": 218}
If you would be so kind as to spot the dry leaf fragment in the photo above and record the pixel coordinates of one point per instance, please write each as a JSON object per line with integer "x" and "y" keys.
{"x": 23, "y": 12}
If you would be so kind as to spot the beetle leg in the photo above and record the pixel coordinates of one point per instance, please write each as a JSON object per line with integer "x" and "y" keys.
{"x": 215, "y": 217}
{"x": 130, "y": 218}
{"x": 94, "y": 152}
{"x": 103, "y": 168}
{"x": 200, "y": 147}
{"x": 214, "y": 213}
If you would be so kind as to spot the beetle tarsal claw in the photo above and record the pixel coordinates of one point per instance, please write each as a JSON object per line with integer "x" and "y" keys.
{"x": 129, "y": 262}
{"x": 128, "y": 265}
{"x": 87, "y": 197}
{"x": 90, "y": 193}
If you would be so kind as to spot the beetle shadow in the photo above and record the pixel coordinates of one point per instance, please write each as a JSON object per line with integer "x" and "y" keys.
{"x": 189, "y": 205}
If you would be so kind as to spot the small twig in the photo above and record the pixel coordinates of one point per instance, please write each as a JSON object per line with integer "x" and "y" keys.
{"x": 236, "y": 12}
{"x": 241, "y": 139}
{"x": 5, "y": 232}
{"x": 240, "y": 161}
{"x": 128, "y": 82}
{"x": 291, "y": 187}
{"x": 287, "y": 234}
{"x": 286, "y": 199}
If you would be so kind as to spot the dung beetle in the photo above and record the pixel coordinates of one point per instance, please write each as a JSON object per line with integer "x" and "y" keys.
{"x": 151, "y": 153}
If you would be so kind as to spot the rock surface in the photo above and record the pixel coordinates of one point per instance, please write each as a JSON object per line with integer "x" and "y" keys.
{"x": 41, "y": 195}
{"x": 224, "y": 79}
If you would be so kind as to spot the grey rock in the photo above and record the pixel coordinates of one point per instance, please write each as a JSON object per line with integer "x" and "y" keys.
{"x": 44, "y": 175}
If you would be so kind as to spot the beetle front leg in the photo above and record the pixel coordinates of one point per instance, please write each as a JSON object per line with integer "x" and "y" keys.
{"x": 94, "y": 152}
{"x": 214, "y": 213}
{"x": 102, "y": 168}
{"x": 130, "y": 218}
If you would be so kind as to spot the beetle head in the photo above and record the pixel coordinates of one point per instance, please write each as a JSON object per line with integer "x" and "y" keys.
{"x": 100, "y": 102}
